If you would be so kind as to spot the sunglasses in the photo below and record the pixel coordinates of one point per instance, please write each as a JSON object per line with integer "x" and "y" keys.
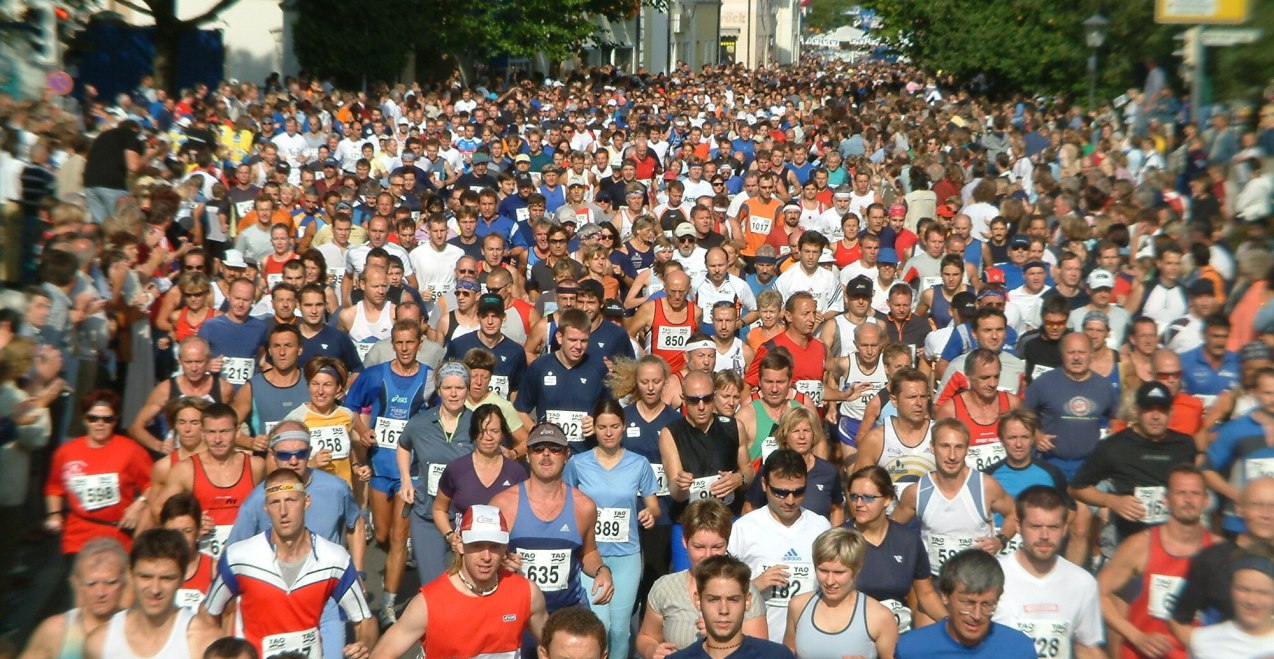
{"x": 686, "y": 239}
{"x": 196, "y": 268}
{"x": 288, "y": 456}
{"x": 558, "y": 241}
{"x": 865, "y": 498}
{"x": 781, "y": 493}
{"x": 698, "y": 400}
{"x": 95, "y": 418}
{"x": 1168, "y": 375}
{"x": 551, "y": 448}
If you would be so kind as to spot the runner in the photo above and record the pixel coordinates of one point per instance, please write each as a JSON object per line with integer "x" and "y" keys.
{"x": 455, "y": 614}
{"x": 980, "y": 408}
{"x": 235, "y": 338}
{"x": 722, "y": 596}
{"x": 267, "y": 398}
{"x": 667, "y": 322}
{"x": 574, "y": 633}
{"x": 181, "y": 513}
{"x": 194, "y": 381}
{"x": 185, "y": 416}
{"x": 154, "y": 627}
{"x": 562, "y": 387}
{"x": 902, "y": 444}
{"x": 370, "y": 319}
{"x": 98, "y": 578}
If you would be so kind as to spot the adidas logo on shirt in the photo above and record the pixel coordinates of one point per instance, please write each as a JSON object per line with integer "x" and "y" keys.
{"x": 566, "y": 528}
{"x": 505, "y": 484}
{"x": 791, "y": 555}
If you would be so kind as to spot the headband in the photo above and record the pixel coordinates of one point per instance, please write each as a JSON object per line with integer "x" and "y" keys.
{"x": 453, "y": 368}
{"x": 765, "y": 260}
{"x": 289, "y": 436}
{"x": 290, "y": 486}
{"x": 700, "y": 345}
{"x": 330, "y": 371}
{"x": 468, "y": 285}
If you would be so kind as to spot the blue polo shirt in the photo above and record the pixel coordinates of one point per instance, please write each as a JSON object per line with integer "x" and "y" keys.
{"x": 332, "y": 342}
{"x": 550, "y": 389}
{"x": 1199, "y": 378}
{"x": 1239, "y": 453}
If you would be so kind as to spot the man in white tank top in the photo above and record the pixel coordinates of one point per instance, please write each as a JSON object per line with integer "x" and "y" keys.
{"x": 732, "y": 353}
{"x": 98, "y": 579}
{"x": 954, "y": 503}
{"x": 902, "y": 444}
{"x": 154, "y": 628}
{"x": 858, "y": 378}
{"x": 863, "y": 196}
{"x": 372, "y": 318}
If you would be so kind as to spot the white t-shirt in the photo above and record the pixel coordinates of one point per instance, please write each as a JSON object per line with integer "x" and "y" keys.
{"x": 823, "y": 285}
{"x": 857, "y": 268}
{"x": 1067, "y": 596}
{"x": 356, "y": 258}
{"x": 1023, "y": 309}
{"x": 760, "y": 540}
{"x": 1227, "y": 641}
{"x": 434, "y": 268}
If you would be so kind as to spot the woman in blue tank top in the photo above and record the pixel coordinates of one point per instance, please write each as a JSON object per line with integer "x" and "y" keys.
{"x": 617, "y": 481}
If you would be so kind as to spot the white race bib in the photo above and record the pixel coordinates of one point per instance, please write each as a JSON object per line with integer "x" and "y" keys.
{"x": 214, "y": 543}
{"x": 500, "y": 385}
{"x": 661, "y": 478}
{"x": 1164, "y": 590}
{"x": 612, "y": 524}
{"x": 1254, "y": 468}
{"x": 1153, "y": 499}
{"x": 523, "y": 214}
{"x": 271, "y": 280}
{"x": 760, "y": 225}
{"x": 237, "y": 370}
{"x": 96, "y": 491}
{"x": 943, "y": 547}
{"x": 701, "y": 488}
{"x": 1015, "y": 543}
{"x": 1039, "y": 370}
{"x": 768, "y": 446}
{"x": 800, "y": 580}
{"x": 982, "y": 456}
{"x": 813, "y": 389}
{"x": 242, "y": 208}
{"x": 362, "y": 348}
{"x": 188, "y": 598}
{"x": 435, "y": 475}
{"x": 672, "y": 338}
{"x": 571, "y": 423}
{"x": 306, "y": 642}
{"x": 331, "y": 438}
{"x": 902, "y": 614}
{"x": 927, "y": 283}
{"x": 550, "y": 569}
{"x": 1052, "y": 637}
{"x": 388, "y": 431}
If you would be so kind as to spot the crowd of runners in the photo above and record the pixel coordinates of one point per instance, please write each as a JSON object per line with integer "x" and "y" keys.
{"x": 821, "y": 361}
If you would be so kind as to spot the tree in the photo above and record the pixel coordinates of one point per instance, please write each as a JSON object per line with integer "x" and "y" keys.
{"x": 350, "y": 40}
{"x": 1030, "y": 45}
{"x": 168, "y": 31}
{"x": 1244, "y": 71}
{"x": 827, "y": 15}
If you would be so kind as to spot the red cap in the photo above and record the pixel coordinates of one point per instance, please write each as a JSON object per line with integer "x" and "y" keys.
{"x": 993, "y": 276}
{"x": 898, "y": 210}
{"x": 946, "y": 211}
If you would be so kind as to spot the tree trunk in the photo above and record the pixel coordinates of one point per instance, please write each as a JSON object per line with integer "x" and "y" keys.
{"x": 166, "y": 36}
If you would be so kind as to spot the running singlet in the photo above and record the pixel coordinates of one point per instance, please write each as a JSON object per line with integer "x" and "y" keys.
{"x": 467, "y": 627}
{"x": 642, "y": 437}
{"x": 763, "y": 441}
{"x": 221, "y": 503}
{"x": 1164, "y": 577}
{"x": 332, "y": 432}
{"x": 668, "y": 339}
{"x": 951, "y": 525}
{"x": 551, "y": 551}
{"x": 389, "y": 400}
{"x": 905, "y": 464}
{"x": 985, "y": 448}
{"x": 116, "y": 643}
{"x": 705, "y": 454}
{"x": 192, "y": 592}
{"x": 277, "y": 617}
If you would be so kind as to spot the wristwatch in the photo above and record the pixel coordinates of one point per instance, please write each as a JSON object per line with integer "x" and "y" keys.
{"x": 1004, "y": 540}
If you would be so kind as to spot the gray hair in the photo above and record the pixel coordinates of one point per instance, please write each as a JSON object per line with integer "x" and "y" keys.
{"x": 95, "y": 550}
{"x": 976, "y": 570}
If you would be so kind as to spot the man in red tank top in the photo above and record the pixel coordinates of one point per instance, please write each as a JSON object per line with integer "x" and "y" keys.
{"x": 220, "y": 478}
{"x": 669, "y": 321}
{"x": 1159, "y": 557}
{"x": 979, "y": 408}
{"x": 479, "y": 609}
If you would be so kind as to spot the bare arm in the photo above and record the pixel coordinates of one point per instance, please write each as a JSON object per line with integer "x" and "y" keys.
{"x": 905, "y": 511}
{"x": 407, "y": 633}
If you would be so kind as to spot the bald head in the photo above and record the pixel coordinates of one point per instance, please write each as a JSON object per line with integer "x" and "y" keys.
{"x": 1164, "y": 360}
{"x": 697, "y": 383}
{"x": 867, "y": 332}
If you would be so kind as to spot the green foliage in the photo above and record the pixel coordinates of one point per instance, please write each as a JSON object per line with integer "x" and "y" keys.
{"x": 827, "y": 15}
{"x": 349, "y": 40}
{"x": 1028, "y": 45}
{"x": 1243, "y": 71}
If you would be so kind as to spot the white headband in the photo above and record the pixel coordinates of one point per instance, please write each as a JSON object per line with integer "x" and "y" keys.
{"x": 700, "y": 345}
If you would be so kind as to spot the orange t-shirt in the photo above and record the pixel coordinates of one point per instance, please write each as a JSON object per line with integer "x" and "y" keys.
{"x": 759, "y": 221}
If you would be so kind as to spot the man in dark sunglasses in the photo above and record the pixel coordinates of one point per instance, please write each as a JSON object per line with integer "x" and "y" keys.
{"x": 777, "y": 541}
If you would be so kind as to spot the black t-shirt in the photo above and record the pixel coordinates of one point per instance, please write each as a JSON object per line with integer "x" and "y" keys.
{"x": 1079, "y": 299}
{"x": 1036, "y": 350}
{"x": 1130, "y": 461}
{"x": 106, "y": 166}
{"x": 1207, "y": 586}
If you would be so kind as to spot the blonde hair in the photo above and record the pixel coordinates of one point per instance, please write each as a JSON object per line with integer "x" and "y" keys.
{"x": 794, "y": 417}
{"x": 841, "y": 545}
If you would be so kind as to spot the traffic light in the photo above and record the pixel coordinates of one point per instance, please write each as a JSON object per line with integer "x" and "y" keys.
{"x": 41, "y": 32}
{"x": 1191, "y": 43}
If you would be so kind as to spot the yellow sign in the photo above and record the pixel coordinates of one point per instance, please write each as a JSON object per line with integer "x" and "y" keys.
{"x": 1202, "y": 12}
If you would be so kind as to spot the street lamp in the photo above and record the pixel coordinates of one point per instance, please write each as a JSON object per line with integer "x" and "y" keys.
{"x": 1095, "y": 35}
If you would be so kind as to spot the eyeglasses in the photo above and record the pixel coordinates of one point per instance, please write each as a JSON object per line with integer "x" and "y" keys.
{"x": 780, "y": 493}
{"x": 970, "y": 608}
{"x": 288, "y": 456}
{"x": 1168, "y": 375}
{"x": 686, "y": 239}
{"x": 698, "y": 400}
{"x": 865, "y": 498}
{"x": 466, "y": 271}
{"x": 551, "y": 448}
{"x": 607, "y": 236}
{"x": 95, "y": 418}
{"x": 195, "y": 268}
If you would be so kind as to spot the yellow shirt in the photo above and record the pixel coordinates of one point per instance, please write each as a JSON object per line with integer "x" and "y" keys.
{"x": 333, "y": 432}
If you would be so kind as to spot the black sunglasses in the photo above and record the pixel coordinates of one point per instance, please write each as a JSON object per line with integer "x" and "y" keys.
{"x": 865, "y": 498}
{"x": 95, "y": 418}
{"x": 698, "y": 400}
{"x": 781, "y": 493}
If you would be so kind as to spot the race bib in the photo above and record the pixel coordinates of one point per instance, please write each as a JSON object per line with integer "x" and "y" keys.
{"x": 1052, "y": 637}
{"x": 760, "y": 225}
{"x": 305, "y": 642}
{"x": 768, "y": 446}
{"x": 188, "y": 598}
{"x": 435, "y": 475}
{"x": 612, "y": 524}
{"x": 800, "y": 580}
{"x": 523, "y": 214}
{"x": 550, "y": 569}
{"x": 1153, "y": 499}
{"x": 271, "y": 280}
{"x": 902, "y": 614}
{"x": 1039, "y": 370}
{"x": 242, "y": 208}
{"x": 214, "y": 543}
{"x": 388, "y": 431}
{"x": 813, "y": 389}
{"x": 1164, "y": 590}
{"x": 500, "y": 385}
{"x": 571, "y": 423}
{"x": 982, "y": 456}
{"x": 331, "y": 438}
{"x": 362, "y": 348}
{"x": 96, "y": 491}
{"x": 927, "y": 283}
{"x": 943, "y": 547}
{"x": 661, "y": 479}
{"x": 701, "y": 488}
{"x": 1254, "y": 468}
{"x": 237, "y": 370}
{"x": 1015, "y": 543}
{"x": 672, "y": 338}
